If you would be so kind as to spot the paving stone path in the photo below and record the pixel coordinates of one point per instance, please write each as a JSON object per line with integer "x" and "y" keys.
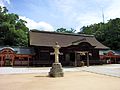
{"x": 111, "y": 70}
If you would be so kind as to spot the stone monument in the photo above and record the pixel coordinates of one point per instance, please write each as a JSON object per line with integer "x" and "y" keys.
{"x": 56, "y": 70}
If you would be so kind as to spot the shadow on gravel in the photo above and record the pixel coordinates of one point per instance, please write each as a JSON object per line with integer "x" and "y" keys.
{"x": 41, "y": 76}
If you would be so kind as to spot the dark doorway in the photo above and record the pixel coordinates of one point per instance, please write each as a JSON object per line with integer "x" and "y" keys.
{"x": 7, "y": 60}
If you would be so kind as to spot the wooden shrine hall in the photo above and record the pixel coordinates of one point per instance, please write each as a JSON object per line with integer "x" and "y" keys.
{"x": 15, "y": 56}
{"x": 75, "y": 48}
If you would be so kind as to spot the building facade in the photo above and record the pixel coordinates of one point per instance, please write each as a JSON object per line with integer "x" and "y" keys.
{"x": 16, "y": 56}
{"x": 110, "y": 56}
{"x": 75, "y": 48}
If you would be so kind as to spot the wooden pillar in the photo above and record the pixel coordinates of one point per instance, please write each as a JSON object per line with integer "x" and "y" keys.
{"x": 115, "y": 60}
{"x": 13, "y": 61}
{"x": 28, "y": 61}
{"x": 87, "y": 59}
{"x": 75, "y": 59}
{"x": 1, "y": 61}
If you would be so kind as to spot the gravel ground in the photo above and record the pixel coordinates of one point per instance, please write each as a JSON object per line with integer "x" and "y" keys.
{"x": 75, "y": 78}
{"x": 70, "y": 81}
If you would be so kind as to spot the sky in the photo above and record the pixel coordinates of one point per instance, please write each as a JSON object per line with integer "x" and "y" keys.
{"x": 50, "y": 15}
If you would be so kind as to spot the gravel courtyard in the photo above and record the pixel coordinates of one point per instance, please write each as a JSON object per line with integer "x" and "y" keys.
{"x": 71, "y": 81}
{"x": 106, "y": 77}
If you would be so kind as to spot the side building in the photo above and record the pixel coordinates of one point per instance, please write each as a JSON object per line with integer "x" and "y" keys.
{"x": 110, "y": 56}
{"x": 75, "y": 48}
{"x": 16, "y": 56}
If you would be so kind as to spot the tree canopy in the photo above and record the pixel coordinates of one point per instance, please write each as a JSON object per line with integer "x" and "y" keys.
{"x": 107, "y": 33}
{"x": 64, "y": 30}
{"x": 13, "y": 31}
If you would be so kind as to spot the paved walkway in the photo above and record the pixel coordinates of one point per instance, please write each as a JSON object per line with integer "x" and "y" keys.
{"x": 112, "y": 70}
{"x": 21, "y": 70}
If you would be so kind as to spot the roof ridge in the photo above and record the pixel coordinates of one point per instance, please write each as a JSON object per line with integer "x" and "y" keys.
{"x": 61, "y": 33}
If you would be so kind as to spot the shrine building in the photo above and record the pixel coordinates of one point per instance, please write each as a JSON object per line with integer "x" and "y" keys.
{"x": 75, "y": 48}
{"x": 16, "y": 56}
{"x": 110, "y": 56}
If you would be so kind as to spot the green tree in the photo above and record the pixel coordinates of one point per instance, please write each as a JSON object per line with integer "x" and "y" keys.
{"x": 13, "y": 31}
{"x": 63, "y": 30}
{"x": 107, "y": 33}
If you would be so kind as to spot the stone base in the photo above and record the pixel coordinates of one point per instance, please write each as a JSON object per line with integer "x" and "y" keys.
{"x": 56, "y": 70}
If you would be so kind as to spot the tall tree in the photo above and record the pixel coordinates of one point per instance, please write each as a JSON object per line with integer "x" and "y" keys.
{"x": 13, "y": 31}
{"x": 107, "y": 33}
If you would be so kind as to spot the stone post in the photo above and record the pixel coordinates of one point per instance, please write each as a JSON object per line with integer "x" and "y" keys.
{"x": 56, "y": 70}
{"x": 56, "y": 52}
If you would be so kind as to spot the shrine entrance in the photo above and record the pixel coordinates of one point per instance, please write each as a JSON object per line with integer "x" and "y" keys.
{"x": 81, "y": 54}
{"x": 7, "y": 57}
{"x": 8, "y": 60}
{"x": 81, "y": 57}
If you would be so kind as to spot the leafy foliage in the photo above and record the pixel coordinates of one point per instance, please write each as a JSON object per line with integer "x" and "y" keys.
{"x": 63, "y": 30}
{"x": 107, "y": 33}
{"x": 13, "y": 31}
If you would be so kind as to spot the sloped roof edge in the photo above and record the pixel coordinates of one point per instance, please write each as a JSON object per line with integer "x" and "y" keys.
{"x": 61, "y": 33}
{"x": 46, "y": 38}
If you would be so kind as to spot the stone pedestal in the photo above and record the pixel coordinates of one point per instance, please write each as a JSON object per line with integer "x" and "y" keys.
{"x": 56, "y": 70}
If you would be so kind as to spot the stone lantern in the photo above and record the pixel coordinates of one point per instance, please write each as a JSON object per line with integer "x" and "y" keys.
{"x": 56, "y": 70}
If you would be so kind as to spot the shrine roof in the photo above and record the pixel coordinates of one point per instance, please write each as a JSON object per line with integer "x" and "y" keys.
{"x": 19, "y": 50}
{"x": 45, "y": 38}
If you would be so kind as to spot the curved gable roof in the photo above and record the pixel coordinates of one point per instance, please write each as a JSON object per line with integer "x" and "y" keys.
{"x": 19, "y": 50}
{"x": 43, "y": 38}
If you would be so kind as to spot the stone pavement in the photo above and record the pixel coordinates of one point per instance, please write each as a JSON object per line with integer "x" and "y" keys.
{"x": 111, "y": 69}
{"x": 22, "y": 70}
